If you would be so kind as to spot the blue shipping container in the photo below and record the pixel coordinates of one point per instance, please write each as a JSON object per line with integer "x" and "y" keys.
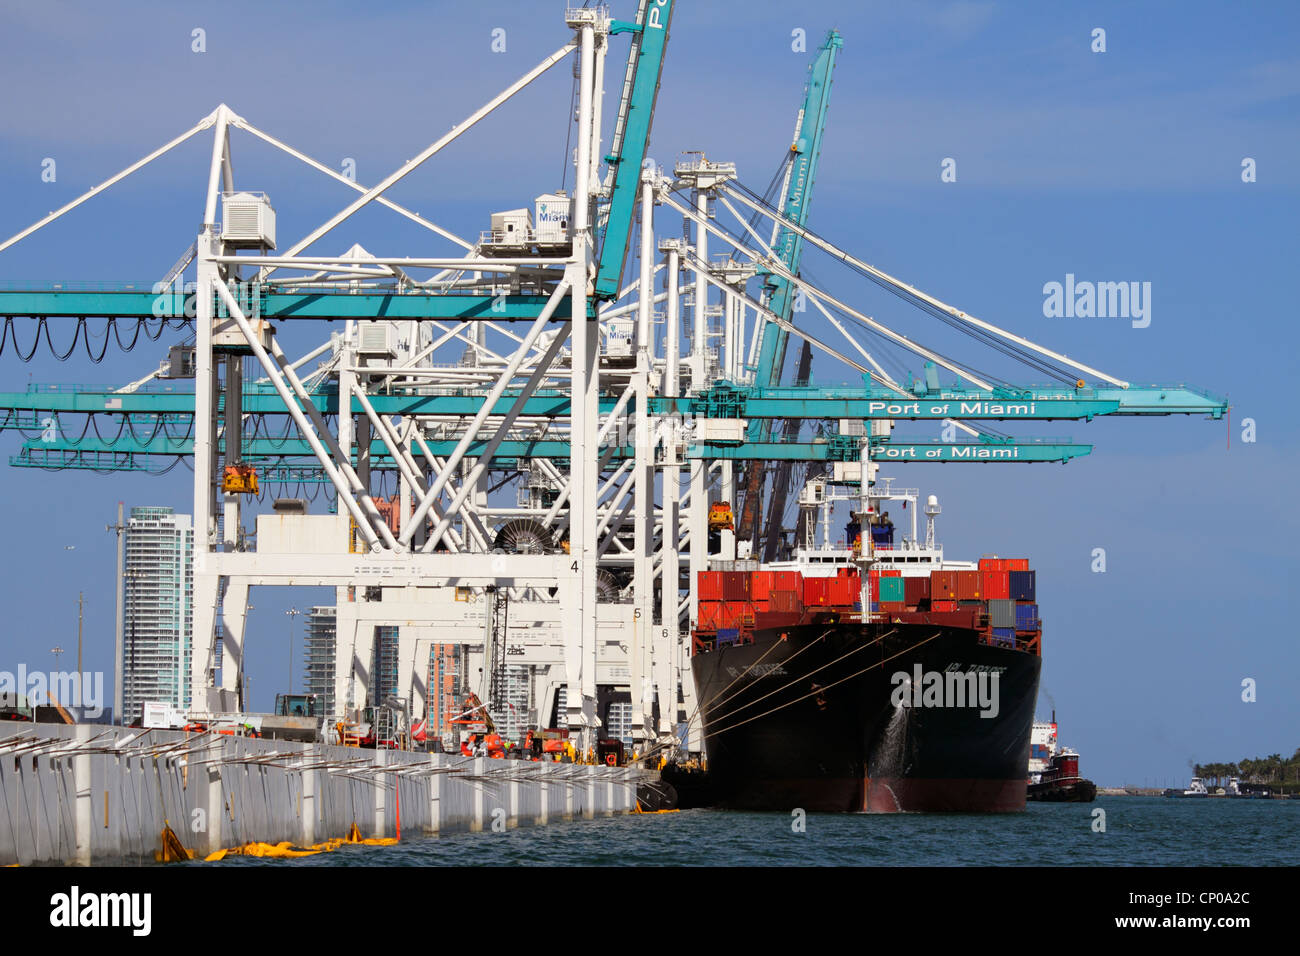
{"x": 727, "y": 635}
{"x": 1023, "y": 585}
{"x": 1026, "y": 617}
{"x": 1004, "y": 636}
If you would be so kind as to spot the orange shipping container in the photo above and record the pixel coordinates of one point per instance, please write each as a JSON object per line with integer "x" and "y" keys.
{"x": 1017, "y": 564}
{"x": 786, "y": 602}
{"x": 969, "y": 586}
{"x": 943, "y": 585}
{"x": 761, "y": 585}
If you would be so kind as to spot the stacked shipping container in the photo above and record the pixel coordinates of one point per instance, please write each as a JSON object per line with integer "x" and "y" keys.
{"x": 998, "y": 598}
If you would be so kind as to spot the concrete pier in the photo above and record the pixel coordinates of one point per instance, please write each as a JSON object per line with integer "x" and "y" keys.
{"x": 90, "y": 794}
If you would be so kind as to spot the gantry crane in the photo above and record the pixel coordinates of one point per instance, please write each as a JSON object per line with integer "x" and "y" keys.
{"x": 606, "y": 437}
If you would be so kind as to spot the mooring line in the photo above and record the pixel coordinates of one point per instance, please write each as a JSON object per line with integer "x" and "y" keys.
{"x": 826, "y": 688}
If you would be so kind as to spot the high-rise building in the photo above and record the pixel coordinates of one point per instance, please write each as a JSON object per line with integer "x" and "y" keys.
{"x": 384, "y": 680}
{"x": 516, "y": 699}
{"x": 319, "y": 656}
{"x": 619, "y": 722}
{"x": 445, "y": 699}
{"x": 157, "y": 622}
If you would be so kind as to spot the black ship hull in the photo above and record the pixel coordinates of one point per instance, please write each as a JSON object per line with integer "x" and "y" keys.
{"x": 809, "y": 717}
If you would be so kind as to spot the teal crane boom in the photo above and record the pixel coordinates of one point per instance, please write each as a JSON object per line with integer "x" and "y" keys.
{"x": 805, "y": 156}
{"x": 779, "y": 293}
{"x": 631, "y": 137}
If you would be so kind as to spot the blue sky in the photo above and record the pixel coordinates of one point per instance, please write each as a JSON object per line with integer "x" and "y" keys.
{"x": 1115, "y": 166}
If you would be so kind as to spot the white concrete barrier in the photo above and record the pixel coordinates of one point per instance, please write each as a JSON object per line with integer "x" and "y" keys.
{"x": 87, "y": 793}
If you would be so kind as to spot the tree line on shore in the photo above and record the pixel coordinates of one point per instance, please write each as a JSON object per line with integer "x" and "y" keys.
{"x": 1282, "y": 773}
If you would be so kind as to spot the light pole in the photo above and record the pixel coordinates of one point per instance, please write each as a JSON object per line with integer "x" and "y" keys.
{"x": 293, "y": 612}
{"x": 81, "y": 608}
{"x": 244, "y": 683}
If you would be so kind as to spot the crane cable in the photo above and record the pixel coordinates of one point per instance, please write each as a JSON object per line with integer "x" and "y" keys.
{"x": 984, "y": 337}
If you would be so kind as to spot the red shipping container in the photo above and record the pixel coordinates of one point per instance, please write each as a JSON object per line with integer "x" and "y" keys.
{"x": 815, "y": 591}
{"x": 708, "y": 617}
{"x": 890, "y": 607}
{"x": 742, "y": 612}
{"x": 943, "y": 585}
{"x": 716, "y": 615}
{"x": 916, "y": 590}
{"x": 1017, "y": 564}
{"x": 842, "y": 591}
{"x": 785, "y": 602}
{"x": 997, "y": 585}
{"x": 787, "y": 581}
{"x": 968, "y": 585}
{"x": 761, "y": 585}
{"x": 943, "y": 605}
{"x": 709, "y": 587}
{"x": 891, "y": 573}
{"x": 735, "y": 585}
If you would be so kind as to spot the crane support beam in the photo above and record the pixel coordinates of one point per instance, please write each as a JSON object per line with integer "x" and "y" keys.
{"x": 1046, "y": 403}
{"x": 99, "y": 453}
{"x": 278, "y": 306}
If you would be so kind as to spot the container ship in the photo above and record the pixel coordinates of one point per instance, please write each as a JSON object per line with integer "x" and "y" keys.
{"x": 871, "y": 676}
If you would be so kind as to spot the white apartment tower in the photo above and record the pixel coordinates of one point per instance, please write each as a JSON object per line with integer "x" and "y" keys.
{"x": 157, "y": 610}
{"x": 319, "y": 663}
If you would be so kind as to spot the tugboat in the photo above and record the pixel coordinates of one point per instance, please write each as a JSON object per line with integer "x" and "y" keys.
{"x": 1054, "y": 772}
